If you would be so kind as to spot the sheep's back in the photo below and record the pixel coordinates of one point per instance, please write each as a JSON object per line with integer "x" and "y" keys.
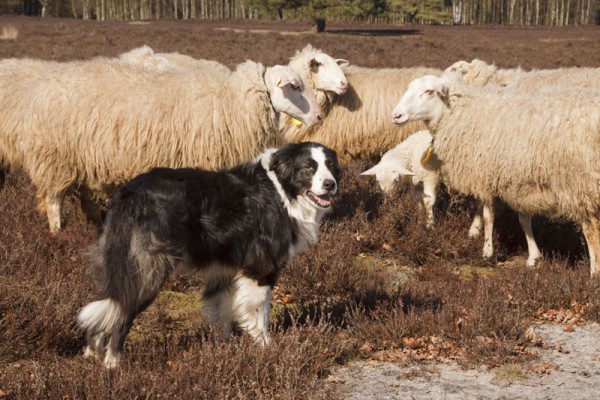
{"x": 537, "y": 153}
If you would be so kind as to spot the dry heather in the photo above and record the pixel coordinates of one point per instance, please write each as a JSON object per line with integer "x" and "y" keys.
{"x": 378, "y": 285}
{"x": 9, "y": 32}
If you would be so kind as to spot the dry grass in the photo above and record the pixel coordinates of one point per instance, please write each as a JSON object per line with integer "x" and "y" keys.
{"x": 377, "y": 285}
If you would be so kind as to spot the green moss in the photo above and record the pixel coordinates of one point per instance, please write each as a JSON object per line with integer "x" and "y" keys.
{"x": 172, "y": 313}
{"x": 468, "y": 272}
{"x": 508, "y": 374}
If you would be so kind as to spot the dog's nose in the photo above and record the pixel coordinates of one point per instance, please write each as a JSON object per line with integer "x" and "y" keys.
{"x": 329, "y": 184}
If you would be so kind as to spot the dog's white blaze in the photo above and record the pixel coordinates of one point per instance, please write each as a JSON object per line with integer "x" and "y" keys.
{"x": 102, "y": 315}
{"x": 251, "y": 305}
{"x": 322, "y": 174}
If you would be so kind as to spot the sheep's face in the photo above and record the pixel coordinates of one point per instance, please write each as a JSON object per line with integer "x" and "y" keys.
{"x": 291, "y": 96}
{"x": 327, "y": 73}
{"x": 422, "y": 101}
{"x": 387, "y": 173}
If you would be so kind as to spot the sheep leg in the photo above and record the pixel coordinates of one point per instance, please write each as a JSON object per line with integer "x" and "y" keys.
{"x": 477, "y": 224}
{"x": 429, "y": 200}
{"x": 251, "y": 306}
{"x": 532, "y": 248}
{"x": 488, "y": 230}
{"x": 52, "y": 205}
{"x": 591, "y": 232}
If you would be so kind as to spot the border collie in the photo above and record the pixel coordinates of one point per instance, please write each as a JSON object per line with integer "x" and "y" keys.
{"x": 240, "y": 226}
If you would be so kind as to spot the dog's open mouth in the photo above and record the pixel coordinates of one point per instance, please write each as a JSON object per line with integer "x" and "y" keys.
{"x": 323, "y": 201}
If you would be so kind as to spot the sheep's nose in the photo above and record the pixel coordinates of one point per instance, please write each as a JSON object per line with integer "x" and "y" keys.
{"x": 319, "y": 117}
{"x": 329, "y": 184}
{"x": 344, "y": 84}
{"x": 397, "y": 116}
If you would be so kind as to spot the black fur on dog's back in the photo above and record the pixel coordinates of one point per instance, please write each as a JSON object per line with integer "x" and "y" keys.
{"x": 168, "y": 212}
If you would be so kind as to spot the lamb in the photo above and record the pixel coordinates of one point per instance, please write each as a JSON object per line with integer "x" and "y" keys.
{"x": 356, "y": 124}
{"x": 96, "y": 124}
{"x": 145, "y": 56}
{"x": 525, "y": 149}
{"x": 412, "y": 162}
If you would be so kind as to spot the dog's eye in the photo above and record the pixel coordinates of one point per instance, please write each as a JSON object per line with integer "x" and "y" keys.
{"x": 309, "y": 167}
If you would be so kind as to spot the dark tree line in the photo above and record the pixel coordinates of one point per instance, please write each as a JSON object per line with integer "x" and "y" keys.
{"x": 464, "y": 12}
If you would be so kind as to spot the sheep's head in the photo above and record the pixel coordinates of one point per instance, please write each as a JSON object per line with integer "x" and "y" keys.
{"x": 327, "y": 73}
{"x": 289, "y": 95}
{"x": 387, "y": 172}
{"x": 423, "y": 100}
{"x": 475, "y": 73}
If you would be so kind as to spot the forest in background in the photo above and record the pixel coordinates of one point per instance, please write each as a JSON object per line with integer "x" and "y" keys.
{"x": 439, "y": 12}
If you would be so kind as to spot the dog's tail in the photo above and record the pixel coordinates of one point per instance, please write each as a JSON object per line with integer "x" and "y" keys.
{"x": 101, "y": 316}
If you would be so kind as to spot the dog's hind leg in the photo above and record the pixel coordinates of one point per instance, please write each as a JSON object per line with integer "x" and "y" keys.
{"x": 115, "y": 344}
{"x": 95, "y": 345}
{"x": 251, "y": 306}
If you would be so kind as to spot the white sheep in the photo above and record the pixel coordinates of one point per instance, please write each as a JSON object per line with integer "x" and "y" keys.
{"x": 478, "y": 73}
{"x": 319, "y": 70}
{"x": 356, "y": 124}
{"x": 412, "y": 162}
{"x": 325, "y": 76}
{"x": 528, "y": 150}
{"x": 146, "y": 57}
{"x": 98, "y": 123}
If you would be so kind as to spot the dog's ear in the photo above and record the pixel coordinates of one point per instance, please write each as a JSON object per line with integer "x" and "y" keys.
{"x": 282, "y": 165}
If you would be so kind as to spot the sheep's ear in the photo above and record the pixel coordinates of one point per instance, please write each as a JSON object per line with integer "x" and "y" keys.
{"x": 341, "y": 62}
{"x": 403, "y": 171}
{"x": 369, "y": 172}
{"x": 443, "y": 91}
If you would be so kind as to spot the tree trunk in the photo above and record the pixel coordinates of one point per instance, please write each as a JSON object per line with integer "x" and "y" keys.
{"x": 319, "y": 25}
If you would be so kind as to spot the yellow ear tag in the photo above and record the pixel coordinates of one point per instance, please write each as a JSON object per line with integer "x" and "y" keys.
{"x": 278, "y": 82}
{"x": 297, "y": 122}
{"x": 428, "y": 156}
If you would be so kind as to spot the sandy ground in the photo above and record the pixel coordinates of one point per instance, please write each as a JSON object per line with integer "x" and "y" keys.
{"x": 568, "y": 368}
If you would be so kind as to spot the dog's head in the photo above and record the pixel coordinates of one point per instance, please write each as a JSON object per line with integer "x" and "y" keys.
{"x": 308, "y": 173}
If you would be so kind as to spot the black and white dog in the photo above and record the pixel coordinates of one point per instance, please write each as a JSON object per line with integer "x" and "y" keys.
{"x": 240, "y": 226}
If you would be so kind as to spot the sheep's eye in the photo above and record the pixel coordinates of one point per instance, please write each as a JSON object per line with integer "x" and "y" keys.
{"x": 294, "y": 86}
